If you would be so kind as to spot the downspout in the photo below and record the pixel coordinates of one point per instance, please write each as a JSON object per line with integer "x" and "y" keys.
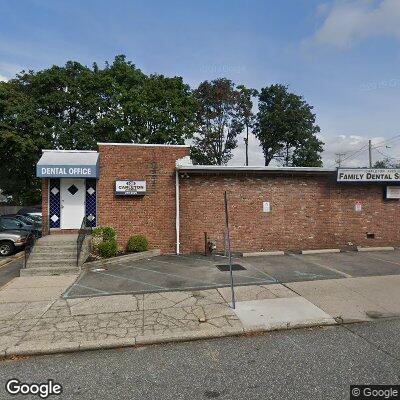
{"x": 177, "y": 217}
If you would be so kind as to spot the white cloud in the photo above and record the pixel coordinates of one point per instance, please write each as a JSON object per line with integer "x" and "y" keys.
{"x": 349, "y": 22}
{"x": 256, "y": 156}
{"x": 3, "y": 78}
{"x": 347, "y": 144}
{"x": 352, "y": 156}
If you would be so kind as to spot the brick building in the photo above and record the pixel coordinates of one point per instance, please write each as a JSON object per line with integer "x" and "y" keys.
{"x": 154, "y": 190}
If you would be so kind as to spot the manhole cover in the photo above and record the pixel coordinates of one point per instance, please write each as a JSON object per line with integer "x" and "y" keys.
{"x": 235, "y": 267}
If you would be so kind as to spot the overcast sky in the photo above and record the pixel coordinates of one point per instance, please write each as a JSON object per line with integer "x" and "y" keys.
{"x": 343, "y": 56}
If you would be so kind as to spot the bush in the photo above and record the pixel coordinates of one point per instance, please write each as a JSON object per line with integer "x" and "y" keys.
{"x": 98, "y": 232}
{"x": 137, "y": 243}
{"x": 108, "y": 233}
{"x": 108, "y": 248}
{"x": 104, "y": 232}
{"x": 96, "y": 240}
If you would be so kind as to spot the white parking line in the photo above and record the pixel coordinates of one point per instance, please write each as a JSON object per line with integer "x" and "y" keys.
{"x": 271, "y": 278}
{"x": 90, "y": 288}
{"x": 130, "y": 279}
{"x": 382, "y": 259}
{"x": 336, "y": 271}
{"x": 192, "y": 279}
{"x": 180, "y": 289}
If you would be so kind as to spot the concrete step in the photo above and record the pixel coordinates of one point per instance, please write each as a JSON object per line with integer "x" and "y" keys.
{"x": 39, "y": 256}
{"x": 53, "y": 249}
{"x": 58, "y": 245}
{"x": 58, "y": 240}
{"x": 60, "y": 263}
{"x": 45, "y": 271}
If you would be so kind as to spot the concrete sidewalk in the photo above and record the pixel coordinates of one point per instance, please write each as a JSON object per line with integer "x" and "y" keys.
{"x": 34, "y": 319}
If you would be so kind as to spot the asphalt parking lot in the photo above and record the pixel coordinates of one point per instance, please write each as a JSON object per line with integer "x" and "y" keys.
{"x": 171, "y": 272}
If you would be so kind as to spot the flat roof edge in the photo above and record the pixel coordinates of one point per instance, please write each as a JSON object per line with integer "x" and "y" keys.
{"x": 68, "y": 151}
{"x": 142, "y": 144}
{"x": 215, "y": 168}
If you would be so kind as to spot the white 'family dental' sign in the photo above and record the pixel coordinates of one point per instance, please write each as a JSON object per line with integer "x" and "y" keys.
{"x": 368, "y": 175}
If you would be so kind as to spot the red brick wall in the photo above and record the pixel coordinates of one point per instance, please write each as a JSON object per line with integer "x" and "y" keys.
{"x": 307, "y": 212}
{"x": 152, "y": 215}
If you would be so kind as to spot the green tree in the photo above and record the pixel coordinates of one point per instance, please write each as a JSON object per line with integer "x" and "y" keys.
{"x": 74, "y": 107}
{"x": 285, "y": 126}
{"x": 219, "y": 122}
{"x": 387, "y": 163}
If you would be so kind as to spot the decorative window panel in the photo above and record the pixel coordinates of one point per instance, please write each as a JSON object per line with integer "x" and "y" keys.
{"x": 90, "y": 208}
{"x": 54, "y": 203}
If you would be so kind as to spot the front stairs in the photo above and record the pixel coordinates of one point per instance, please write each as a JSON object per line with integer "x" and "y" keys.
{"x": 53, "y": 255}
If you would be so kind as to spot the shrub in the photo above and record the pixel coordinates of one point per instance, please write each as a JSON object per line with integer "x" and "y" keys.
{"x": 137, "y": 243}
{"x": 108, "y": 233}
{"x": 96, "y": 240}
{"x": 98, "y": 232}
{"x": 108, "y": 248}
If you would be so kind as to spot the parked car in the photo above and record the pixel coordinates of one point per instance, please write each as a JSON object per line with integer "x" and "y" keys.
{"x": 12, "y": 240}
{"x": 30, "y": 220}
{"x": 11, "y": 223}
{"x": 33, "y": 211}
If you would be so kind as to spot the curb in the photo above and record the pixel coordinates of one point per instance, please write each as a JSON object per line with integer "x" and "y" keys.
{"x": 320, "y": 251}
{"x": 144, "y": 340}
{"x": 264, "y": 253}
{"x": 69, "y": 347}
{"x": 359, "y": 248}
{"x": 12, "y": 258}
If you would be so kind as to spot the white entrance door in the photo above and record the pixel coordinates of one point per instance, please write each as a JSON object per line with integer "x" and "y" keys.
{"x": 72, "y": 203}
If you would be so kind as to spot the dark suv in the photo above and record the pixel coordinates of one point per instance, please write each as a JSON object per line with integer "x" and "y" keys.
{"x": 11, "y": 223}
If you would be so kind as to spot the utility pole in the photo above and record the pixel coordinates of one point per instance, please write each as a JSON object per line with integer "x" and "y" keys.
{"x": 370, "y": 152}
{"x": 339, "y": 158}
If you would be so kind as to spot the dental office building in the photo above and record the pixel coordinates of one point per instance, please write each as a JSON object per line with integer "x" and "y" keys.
{"x": 155, "y": 190}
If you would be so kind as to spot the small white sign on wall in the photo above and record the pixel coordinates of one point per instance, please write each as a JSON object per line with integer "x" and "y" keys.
{"x": 266, "y": 206}
{"x": 392, "y": 192}
{"x": 358, "y": 206}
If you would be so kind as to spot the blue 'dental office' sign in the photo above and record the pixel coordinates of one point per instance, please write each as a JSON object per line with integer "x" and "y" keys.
{"x": 67, "y": 171}
{"x": 130, "y": 188}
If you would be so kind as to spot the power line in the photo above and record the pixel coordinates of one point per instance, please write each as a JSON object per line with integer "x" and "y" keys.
{"x": 387, "y": 155}
{"x": 385, "y": 142}
{"x": 339, "y": 158}
{"x": 365, "y": 147}
{"x": 355, "y": 153}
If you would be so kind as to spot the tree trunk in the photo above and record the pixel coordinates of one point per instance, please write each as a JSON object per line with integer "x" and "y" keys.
{"x": 247, "y": 145}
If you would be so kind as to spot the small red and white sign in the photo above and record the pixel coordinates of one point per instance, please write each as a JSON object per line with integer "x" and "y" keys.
{"x": 358, "y": 206}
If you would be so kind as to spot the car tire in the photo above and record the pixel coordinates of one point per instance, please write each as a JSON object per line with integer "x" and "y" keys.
{"x": 6, "y": 248}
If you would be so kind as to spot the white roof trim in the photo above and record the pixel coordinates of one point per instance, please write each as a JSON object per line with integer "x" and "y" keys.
{"x": 62, "y": 158}
{"x": 69, "y": 151}
{"x": 228, "y": 168}
{"x": 143, "y": 144}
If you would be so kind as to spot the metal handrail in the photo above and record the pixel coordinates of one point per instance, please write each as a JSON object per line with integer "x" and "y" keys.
{"x": 82, "y": 233}
{"x": 31, "y": 241}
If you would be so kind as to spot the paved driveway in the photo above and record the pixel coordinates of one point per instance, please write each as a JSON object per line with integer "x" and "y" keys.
{"x": 167, "y": 273}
